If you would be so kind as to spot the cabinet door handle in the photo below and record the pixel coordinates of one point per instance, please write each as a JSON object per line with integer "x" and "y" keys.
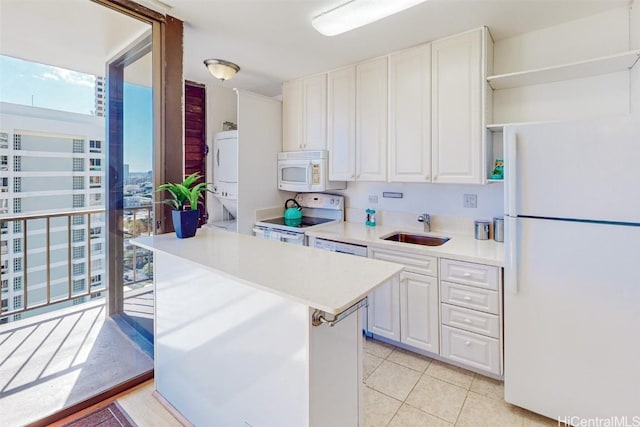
{"x": 467, "y": 274}
{"x": 467, "y": 298}
{"x": 467, "y": 343}
{"x": 467, "y": 320}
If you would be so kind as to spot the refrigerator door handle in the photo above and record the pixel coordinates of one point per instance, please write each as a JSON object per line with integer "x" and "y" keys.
{"x": 511, "y": 255}
{"x": 510, "y": 171}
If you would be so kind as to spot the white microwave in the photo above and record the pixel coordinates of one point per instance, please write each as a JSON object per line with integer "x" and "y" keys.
{"x": 306, "y": 171}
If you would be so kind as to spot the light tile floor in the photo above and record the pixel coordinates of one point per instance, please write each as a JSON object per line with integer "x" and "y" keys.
{"x": 405, "y": 389}
{"x": 402, "y": 389}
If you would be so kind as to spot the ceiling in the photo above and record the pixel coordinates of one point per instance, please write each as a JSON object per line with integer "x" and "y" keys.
{"x": 49, "y": 32}
{"x": 271, "y": 40}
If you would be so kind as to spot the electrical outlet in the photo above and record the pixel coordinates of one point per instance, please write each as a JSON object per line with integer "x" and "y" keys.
{"x": 373, "y": 198}
{"x": 470, "y": 201}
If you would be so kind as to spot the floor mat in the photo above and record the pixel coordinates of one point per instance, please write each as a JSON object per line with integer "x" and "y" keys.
{"x": 111, "y": 415}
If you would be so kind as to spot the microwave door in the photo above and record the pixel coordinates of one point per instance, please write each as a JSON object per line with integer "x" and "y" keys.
{"x": 294, "y": 176}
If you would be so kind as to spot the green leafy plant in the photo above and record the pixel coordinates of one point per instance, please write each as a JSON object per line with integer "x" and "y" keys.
{"x": 185, "y": 194}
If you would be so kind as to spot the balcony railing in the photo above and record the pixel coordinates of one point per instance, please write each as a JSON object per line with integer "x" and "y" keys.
{"x": 57, "y": 243}
{"x": 138, "y": 222}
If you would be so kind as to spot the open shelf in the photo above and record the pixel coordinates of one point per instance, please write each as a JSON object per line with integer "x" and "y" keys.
{"x": 499, "y": 127}
{"x": 574, "y": 70}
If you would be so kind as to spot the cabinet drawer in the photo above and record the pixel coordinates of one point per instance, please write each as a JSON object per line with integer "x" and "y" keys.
{"x": 468, "y": 273}
{"x": 471, "y": 320}
{"x": 471, "y": 349}
{"x": 416, "y": 263}
{"x": 470, "y": 297}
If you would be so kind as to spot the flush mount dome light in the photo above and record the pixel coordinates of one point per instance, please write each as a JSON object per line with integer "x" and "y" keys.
{"x": 357, "y": 13}
{"x": 221, "y": 69}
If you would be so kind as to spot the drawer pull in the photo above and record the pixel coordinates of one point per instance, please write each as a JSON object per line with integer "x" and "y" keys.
{"x": 467, "y": 320}
{"x": 467, "y": 343}
{"x": 467, "y": 274}
{"x": 467, "y": 298}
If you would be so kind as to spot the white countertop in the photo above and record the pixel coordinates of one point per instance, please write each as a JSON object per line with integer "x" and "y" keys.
{"x": 460, "y": 247}
{"x": 320, "y": 279}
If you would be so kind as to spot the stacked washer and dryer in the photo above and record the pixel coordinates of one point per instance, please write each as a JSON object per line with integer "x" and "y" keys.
{"x": 225, "y": 177}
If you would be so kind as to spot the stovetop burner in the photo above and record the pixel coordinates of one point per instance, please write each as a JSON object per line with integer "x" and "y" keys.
{"x": 307, "y": 221}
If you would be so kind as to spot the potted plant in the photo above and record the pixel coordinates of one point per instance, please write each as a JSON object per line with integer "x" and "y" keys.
{"x": 184, "y": 199}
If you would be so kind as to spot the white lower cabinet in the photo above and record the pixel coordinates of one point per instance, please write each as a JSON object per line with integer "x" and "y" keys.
{"x": 470, "y": 297}
{"x": 456, "y": 314}
{"x": 415, "y": 301}
{"x": 383, "y": 313}
{"x": 471, "y": 320}
{"x": 471, "y": 331}
{"x": 471, "y": 349}
{"x": 419, "y": 311}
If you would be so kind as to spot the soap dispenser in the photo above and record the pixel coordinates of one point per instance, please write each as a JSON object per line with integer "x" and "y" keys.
{"x": 371, "y": 218}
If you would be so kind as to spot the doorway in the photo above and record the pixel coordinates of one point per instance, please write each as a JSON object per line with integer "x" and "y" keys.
{"x": 195, "y": 137}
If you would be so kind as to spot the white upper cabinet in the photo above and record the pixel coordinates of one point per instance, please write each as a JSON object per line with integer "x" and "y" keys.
{"x": 341, "y": 124}
{"x": 292, "y": 115}
{"x": 371, "y": 120}
{"x": 304, "y": 120}
{"x": 414, "y": 116}
{"x": 410, "y": 115}
{"x": 457, "y": 109}
{"x": 314, "y": 105}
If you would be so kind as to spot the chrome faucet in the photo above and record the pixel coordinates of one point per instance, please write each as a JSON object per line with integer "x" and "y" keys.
{"x": 425, "y": 219}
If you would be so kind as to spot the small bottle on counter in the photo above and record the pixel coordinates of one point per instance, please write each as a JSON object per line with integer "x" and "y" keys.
{"x": 371, "y": 218}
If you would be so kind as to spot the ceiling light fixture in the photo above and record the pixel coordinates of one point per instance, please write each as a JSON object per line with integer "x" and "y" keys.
{"x": 221, "y": 69}
{"x": 356, "y": 13}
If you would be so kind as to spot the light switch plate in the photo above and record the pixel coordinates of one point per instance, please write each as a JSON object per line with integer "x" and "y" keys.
{"x": 470, "y": 201}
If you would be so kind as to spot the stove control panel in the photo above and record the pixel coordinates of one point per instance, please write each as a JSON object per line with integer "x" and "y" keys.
{"x": 320, "y": 201}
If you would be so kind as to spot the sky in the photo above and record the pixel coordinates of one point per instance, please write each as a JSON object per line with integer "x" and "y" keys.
{"x": 39, "y": 85}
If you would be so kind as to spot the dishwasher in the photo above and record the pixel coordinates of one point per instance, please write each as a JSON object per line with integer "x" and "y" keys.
{"x": 343, "y": 248}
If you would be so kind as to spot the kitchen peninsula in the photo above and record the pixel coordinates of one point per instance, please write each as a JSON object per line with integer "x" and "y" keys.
{"x": 235, "y": 343}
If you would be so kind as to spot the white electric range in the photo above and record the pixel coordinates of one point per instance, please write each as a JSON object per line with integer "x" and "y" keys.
{"x": 317, "y": 209}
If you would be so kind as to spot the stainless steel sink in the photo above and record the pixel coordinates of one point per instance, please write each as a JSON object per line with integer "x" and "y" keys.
{"x": 416, "y": 239}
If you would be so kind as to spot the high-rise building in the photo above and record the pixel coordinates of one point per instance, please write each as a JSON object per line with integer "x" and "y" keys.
{"x": 126, "y": 174}
{"x": 100, "y": 96}
{"x": 50, "y": 162}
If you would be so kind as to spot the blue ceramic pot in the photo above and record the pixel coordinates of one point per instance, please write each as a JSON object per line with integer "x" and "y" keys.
{"x": 185, "y": 223}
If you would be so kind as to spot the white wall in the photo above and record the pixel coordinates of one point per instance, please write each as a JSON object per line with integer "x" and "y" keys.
{"x": 435, "y": 199}
{"x": 259, "y": 141}
{"x": 222, "y": 106}
{"x": 591, "y": 37}
{"x": 635, "y": 44}
{"x": 586, "y": 38}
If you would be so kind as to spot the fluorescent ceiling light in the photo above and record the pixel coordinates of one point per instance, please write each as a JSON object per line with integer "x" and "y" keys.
{"x": 356, "y": 13}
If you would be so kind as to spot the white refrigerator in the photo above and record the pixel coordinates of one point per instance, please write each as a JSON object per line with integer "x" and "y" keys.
{"x": 572, "y": 269}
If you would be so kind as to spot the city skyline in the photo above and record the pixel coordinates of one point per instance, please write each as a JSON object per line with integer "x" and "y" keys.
{"x": 44, "y": 86}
